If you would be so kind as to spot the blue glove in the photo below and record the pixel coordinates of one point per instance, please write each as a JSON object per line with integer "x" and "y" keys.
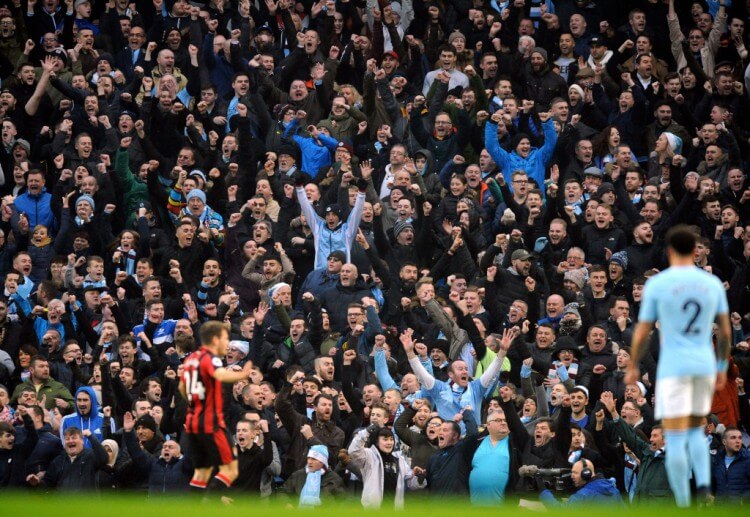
{"x": 562, "y": 373}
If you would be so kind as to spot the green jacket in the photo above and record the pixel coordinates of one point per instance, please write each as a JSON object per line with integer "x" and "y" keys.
{"x": 653, "y": 484}
{"x": 134, "y": 191}
{"x": 51, "y": 389}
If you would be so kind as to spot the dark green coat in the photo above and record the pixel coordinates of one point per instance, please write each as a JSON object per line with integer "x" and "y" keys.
{"x": 653, "y": 484}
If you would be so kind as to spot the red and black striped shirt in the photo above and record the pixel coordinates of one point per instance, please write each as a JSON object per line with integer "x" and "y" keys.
{"x": 204, "y": 393}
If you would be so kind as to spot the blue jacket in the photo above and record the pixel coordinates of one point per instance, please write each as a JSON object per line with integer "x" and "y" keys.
{"x": 162, "y": 339}
{"x": 597, "y": 491}
{"x": 317, "y": 281}
{"x": 93, "y": 421}
{"x": 37, "y": 208}
{"x": 535, "y": 164}
{"x": 314, "y": 155}
{"x": 735, "y": 480}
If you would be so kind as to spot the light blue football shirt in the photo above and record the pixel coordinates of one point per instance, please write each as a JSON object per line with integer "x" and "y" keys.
{"x": 685, "y": 300}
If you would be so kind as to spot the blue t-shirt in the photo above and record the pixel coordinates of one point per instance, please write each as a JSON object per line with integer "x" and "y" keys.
{"x": 686, "y": 301}
{"x": 490, "y": 470}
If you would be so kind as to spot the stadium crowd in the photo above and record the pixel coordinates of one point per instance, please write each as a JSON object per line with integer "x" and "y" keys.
{"x": 428, "y": 225}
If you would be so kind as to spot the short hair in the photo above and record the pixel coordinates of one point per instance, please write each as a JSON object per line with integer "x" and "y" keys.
{"x": 212, "y": 329}
{"x": 455, "y": 429}
{"x": 682, "y": 240}
{"x": 447, "y": 48}
{"x": 729, "y": 429}
{"x": 72, "y": 431}
{"x": 37, "y": 359}
{"x": 139, "y": 399}
{"x": 545, "y": 420}
{"x": 152, "y": 302}
{"x": 248, "y": 422}
{"x": 380, "y": 405}
{"x": 5, "y": 427}
{"x": 321, "y": 396}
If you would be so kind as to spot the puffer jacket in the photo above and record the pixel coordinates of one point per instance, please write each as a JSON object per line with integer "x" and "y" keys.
{"x": 731, "y": 482}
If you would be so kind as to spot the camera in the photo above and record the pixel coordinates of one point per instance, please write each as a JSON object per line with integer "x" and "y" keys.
{"x": 558, "y": 480}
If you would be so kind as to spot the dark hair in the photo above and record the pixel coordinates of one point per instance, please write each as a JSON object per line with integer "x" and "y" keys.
{"x": 682, "y": 240}
{"x": 143, "y": 387}
{"x": 152, "y": 302}
{"x": 72, "y": 431}
{"x": 320, "y": 396}
{"x": 37, "y": 359}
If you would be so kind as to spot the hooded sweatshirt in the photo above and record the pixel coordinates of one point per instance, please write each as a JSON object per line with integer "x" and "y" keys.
{"x": 94, "y": 420}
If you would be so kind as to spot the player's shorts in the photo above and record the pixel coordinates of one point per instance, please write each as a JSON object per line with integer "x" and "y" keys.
{"x": 211, "y": 450}
{"x": 684, "y": 396}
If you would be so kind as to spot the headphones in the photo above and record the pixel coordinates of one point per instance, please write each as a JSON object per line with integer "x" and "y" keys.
{"x": 588, "y": 472}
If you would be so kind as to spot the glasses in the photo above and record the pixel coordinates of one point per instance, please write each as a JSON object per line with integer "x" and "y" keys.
{"x": 521, "y": 182}
{"x": 434, "y": 424}
{"x": 499, "y": 420}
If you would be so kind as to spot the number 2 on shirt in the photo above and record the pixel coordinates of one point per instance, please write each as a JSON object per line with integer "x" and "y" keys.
{"x": 695, "y": 308}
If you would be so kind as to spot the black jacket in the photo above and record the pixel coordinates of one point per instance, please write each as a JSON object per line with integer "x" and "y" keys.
{"x": 449, "y": 468}
{"x": 13, "y": 461}
{"x": 172, "y": 476}
{"x": 78, "y": 474}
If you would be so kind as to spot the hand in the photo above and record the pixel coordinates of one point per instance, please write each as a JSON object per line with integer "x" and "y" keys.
{"x": 306, "y": 431}
{"x": 260, "y": 312}
{"x": 599, "y": 369}
{"x": 407, "y": 342}
{"x": 349, "y": 357}
{"x": 128, "y": 422}
{"x": 508, "y": 336}
{"x": 609, "y": 402}
{"x": 530, "y": 284}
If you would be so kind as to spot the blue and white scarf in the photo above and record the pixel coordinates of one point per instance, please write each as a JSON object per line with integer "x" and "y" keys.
{"x": 310, "y": 494}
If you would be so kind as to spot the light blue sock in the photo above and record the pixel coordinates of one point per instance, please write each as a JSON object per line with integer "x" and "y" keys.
{"x": 678, "y": 466}
{"x": 700, "y": 456}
